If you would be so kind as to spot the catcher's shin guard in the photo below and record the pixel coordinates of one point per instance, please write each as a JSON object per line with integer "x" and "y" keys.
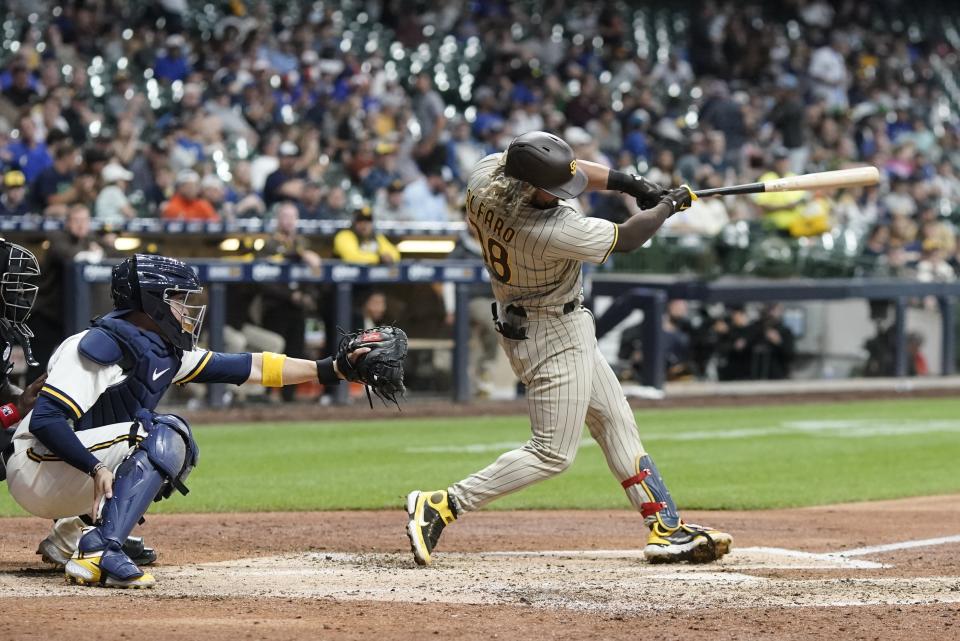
{"x": 659, "y": 508}
{"x": 160, "y": 463}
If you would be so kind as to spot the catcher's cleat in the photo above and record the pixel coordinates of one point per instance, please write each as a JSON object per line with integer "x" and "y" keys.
{"x": 53, "y": 554}
{"x": 139, "y": 553}
{"x": 429, "y": 513}
{"x": 87, "y": 570}
{"x": 686, "y": 542}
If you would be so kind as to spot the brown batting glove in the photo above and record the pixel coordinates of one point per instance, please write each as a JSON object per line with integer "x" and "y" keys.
{"x": 679, "y": 198}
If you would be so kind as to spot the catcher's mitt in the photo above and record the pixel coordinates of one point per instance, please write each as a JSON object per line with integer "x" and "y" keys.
{"x": 382, "y": 368}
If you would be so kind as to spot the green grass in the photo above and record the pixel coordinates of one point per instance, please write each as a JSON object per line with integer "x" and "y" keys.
{"x": 889, "y": 449}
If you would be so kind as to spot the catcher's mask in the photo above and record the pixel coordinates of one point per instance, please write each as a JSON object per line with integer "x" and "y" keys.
{"x": 18, "y": 267}
{"x": 164, "y": 289}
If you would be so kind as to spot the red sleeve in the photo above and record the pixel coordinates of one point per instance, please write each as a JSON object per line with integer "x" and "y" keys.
{"x": 9, "y": 415}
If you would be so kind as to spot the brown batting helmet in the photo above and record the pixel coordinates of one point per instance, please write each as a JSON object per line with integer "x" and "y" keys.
{"x": 546, "y": 162}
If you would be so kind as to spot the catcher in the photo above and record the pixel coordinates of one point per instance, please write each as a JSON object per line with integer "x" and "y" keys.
{"x": 93, "y": 442}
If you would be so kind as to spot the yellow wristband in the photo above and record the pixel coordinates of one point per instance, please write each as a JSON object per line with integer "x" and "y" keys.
{"x": 271, "y": 372}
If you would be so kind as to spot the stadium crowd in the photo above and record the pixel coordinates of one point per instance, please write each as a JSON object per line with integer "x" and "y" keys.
{"x": 189, "y": 110}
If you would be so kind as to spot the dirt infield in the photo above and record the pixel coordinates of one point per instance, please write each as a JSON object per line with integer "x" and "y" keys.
{"x": 802, "y": 573}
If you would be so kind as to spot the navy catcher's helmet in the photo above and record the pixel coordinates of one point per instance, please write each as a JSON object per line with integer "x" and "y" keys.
{"x": 164, "y": 289}
{"x": 546, "y": 162}
{"x": 17, "y": 295}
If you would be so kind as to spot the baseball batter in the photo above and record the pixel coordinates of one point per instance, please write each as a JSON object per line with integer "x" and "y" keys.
{"x": 534, "y": 246}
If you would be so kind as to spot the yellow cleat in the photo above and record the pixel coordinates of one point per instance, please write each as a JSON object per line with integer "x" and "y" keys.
{"x": 686, "y": 542}
{"x": 85, "y": 570}
{"x": 429, "y": 513}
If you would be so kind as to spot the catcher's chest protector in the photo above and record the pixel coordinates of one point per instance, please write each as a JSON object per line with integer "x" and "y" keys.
{"x": 148, "y": 362}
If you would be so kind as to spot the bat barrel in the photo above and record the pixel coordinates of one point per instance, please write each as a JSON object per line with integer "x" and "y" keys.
{"x": 855, "y": 177}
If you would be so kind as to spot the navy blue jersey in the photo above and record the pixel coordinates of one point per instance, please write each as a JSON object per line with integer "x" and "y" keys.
{"x": 107, "y": 373}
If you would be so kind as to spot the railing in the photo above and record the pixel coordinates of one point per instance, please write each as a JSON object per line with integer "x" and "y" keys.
{"x": 238, "y": 226}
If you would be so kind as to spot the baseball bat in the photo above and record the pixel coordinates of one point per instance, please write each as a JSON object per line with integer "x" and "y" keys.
{"x": 857, "y": 177}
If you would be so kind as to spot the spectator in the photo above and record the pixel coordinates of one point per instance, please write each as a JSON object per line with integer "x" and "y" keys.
{"x": 49, "y": 121}
{"x": 243, "y": 332}
{"x": 286, "y": 305}
{"x": 425, "y": 199}
{"x": 373, "y": 311}
{"x": 335, "y": 204}
{"x": 674, "y": 73}
{"x": 383, "y": 172}
{"x": 463, "y": 152}
{"x": 828, "y": 70}
{"x": 678, "y": 338}
{"x": 13, "y": 200}
{"x": 390, "y": 206}
{"x": 112, "y": 205}
{"x": 636, "y": 140}
{"x": 934, "y": 266}
{"x": 48, "y": 321}
{"x": 773, "y": 345}
{"x": 172, "y": 64}
{"x": 21, "y": 91}
{"x": 723, "y": 113}
{"x": 150, "y": 171}
{"x": 212, "y": 190}
{"x": 27, "y": 153}
{"x": 311, "y": 203}
{"x": 286, "y": 183}
{"x": 781, "y": 210}
{"x": 60, "y": 185}
{"x": 663, "y": 169}
{"x": 710, "y": 215}
{"x": 187, "y": 204}
{"x": 427, "y": 106}
{"x": 246, "y": 201}
{"x": 735, "y": 346}
{"x": 361, "y": 244}
{"x": 787, "y": 116}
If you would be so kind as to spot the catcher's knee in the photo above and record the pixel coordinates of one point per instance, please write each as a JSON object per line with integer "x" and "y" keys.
{"x": 170, "y": 447}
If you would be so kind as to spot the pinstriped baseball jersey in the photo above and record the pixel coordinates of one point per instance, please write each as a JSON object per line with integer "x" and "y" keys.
{"x": 534, "y": 258}
{"x": 533, "y": 255}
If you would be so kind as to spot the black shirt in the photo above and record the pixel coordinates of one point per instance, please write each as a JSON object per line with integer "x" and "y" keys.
{"x": 50, "y": 182}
